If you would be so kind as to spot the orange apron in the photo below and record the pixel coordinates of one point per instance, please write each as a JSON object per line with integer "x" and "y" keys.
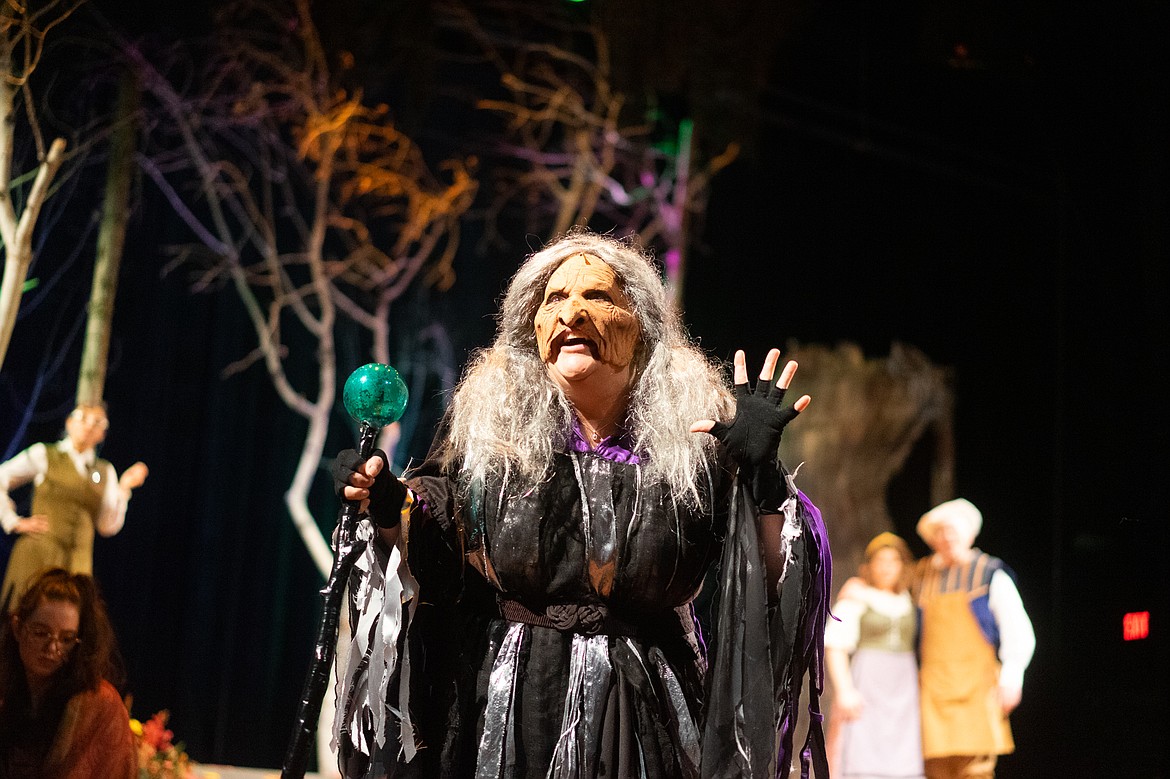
{"x": 959, "y": 676}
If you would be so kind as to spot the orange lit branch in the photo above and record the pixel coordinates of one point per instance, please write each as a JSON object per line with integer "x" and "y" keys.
{"x": 293, "y": 177}
{"x": 574, "y": 150}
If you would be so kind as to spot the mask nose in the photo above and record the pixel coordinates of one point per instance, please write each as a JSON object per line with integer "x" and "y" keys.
{"x": 573, "y": 313}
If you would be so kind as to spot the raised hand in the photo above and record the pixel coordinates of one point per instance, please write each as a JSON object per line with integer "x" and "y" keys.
{"x": 753, "y": 436}
{"x": 134, "y": 476}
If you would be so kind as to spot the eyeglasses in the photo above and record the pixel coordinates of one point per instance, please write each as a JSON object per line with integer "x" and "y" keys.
{"x": 99, "y": 421}
{"x": 46, "y": 638}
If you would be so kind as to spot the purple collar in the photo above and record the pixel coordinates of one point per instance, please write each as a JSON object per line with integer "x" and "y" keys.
{"x": 616, "y": 447}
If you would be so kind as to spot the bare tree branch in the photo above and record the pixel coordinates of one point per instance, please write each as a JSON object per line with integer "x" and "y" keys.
{"x": 574, "y": 148}
{"x": 22, "y": 36}
{"x": 292, "y": 177}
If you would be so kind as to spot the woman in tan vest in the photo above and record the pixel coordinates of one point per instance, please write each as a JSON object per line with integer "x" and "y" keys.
{"x": 869, "y": 654}
{"x": 75, "y": 494}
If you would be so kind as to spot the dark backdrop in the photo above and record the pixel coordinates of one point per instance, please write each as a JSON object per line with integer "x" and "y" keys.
{"x": 986, "y": 182}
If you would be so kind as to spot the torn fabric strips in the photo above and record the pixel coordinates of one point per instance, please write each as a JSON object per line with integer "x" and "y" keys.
{"x": 385, "y": 607}
{"x": 501, "y": 698}
{"x": 589, "y": 676}
{"x": 684, "y": 730}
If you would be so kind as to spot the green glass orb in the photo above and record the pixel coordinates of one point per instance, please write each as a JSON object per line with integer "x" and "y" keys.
{"x": 375, "y": 393}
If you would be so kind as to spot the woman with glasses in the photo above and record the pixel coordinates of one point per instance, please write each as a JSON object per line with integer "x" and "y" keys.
{"x": 60, "y": 715}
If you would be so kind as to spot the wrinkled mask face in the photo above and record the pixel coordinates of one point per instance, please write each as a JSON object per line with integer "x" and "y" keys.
{"x": 585, "y": 317}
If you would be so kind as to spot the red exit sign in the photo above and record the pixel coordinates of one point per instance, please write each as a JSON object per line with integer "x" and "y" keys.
{"x": 1135, "y": 625}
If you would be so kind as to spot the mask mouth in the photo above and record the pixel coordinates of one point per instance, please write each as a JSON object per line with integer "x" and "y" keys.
{"x": 572, "y": 339}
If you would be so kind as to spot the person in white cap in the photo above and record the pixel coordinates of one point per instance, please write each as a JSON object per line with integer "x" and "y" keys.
{"x": 975, "y": 641}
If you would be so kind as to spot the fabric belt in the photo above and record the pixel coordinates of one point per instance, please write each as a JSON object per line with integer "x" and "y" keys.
{"x": 589, "y": 619}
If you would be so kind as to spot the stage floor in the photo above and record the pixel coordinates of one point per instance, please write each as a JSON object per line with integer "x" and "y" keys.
{"x": 206, "y": 771}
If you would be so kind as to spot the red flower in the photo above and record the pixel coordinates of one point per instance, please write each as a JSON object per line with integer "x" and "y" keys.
{"x": 155, "y": 733}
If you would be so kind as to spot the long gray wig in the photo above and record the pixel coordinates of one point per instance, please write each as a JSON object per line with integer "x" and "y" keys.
{"x": 508, "y": 418}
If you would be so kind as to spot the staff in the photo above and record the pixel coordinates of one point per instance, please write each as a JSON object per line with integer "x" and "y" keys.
{"x": 375, "y": 396}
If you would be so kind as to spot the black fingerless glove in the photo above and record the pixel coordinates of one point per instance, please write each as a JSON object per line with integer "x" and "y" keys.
{"x": 753, "y": 437}
{"x": 387, "y": 493}
{"x": 753, "y": 440}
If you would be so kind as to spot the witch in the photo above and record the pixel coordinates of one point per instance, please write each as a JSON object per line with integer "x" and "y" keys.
{"x": 527, "y": 606}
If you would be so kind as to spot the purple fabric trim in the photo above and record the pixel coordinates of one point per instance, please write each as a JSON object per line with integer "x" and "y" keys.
{"x": 809, "y": 655}
{"x": 616, "y": 448}
{"x": 812, "y": 754}
{"x": 418, "y": 503}
{"x": 818, "y": 596}
{"x": 698, "y": 631}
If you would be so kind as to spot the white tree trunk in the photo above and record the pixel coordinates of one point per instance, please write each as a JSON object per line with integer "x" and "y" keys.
{"x": 17, "y": 231}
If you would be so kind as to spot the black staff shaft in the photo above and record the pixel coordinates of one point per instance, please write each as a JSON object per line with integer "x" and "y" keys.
{"x": 346, "y": 552}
